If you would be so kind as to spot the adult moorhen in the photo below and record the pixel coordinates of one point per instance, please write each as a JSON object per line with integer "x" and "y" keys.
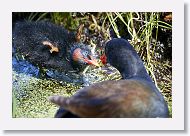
{"x": 135, "y": 96}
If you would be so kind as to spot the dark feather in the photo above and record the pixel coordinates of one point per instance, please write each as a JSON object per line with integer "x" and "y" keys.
{"x": 28, "y": 38}
{"x": 134, "y": 97}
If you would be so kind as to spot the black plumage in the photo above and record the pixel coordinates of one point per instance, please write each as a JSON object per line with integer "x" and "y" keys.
{"x": 62, "y": 113}
{"x": 124, "y": 57}
{"x": 134, "y": 96}
{"x": 51, "y": 46}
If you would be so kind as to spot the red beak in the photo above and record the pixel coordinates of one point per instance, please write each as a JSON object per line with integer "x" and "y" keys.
{"x": 77, "y": 55}
{"x": 103, "y": 59}
{"x": 92, "y": 61}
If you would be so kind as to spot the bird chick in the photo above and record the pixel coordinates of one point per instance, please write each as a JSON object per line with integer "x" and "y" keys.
{"x": 135, "y": 96}
{"x": 51, "y": 46}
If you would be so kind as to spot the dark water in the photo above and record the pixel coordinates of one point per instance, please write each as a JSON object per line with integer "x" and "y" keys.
{"x": 23, "y": 66}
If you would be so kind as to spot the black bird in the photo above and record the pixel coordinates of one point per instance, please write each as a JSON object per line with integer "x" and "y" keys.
{"x": 135, "y": 96}
{"x": 51, "y": 46}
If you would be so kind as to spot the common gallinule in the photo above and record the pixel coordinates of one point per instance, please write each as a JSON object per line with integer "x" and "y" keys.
{"x": 135, "y": 96}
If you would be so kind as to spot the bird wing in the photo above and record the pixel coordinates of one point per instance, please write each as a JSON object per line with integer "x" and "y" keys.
{"x": 108, "y": 99}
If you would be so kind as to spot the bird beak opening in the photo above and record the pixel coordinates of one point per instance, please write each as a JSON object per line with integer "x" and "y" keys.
{"x": 92, "y": 61}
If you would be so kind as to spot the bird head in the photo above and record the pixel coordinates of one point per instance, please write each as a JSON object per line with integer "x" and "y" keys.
{"x": 84, "y": 56}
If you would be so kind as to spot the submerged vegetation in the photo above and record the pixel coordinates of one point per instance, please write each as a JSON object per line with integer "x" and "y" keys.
{"x": 30, "y": 95}
{"x": 149, "y": 32}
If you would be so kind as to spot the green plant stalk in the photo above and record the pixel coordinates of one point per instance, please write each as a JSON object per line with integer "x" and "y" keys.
{"x": 113, "y": 24}
{"x": 147, "y": 39}
{"x": 42, "y": 16}
{"x": 157, "y": 18}
{"x": 32, "y": 16}
{"x": 132, "y": 26}
{"x": 13, "y": 106}
{"x": 121, "y": 18}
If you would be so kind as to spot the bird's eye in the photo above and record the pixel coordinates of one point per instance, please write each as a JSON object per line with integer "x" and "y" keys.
{"x": 85, "y": 53}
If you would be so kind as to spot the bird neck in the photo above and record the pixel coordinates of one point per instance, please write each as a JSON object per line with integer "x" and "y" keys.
{"x": 133, "y": 67}
{"x": 133, "y": 74}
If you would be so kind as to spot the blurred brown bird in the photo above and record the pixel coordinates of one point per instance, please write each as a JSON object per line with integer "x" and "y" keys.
{"x": 135, "y": 96}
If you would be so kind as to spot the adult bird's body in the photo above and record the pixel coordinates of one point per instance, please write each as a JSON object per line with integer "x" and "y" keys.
{"x": 51, "y": 46}
{"x": 134, "y": 96}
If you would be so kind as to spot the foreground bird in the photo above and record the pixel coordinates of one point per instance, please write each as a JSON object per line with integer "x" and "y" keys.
{"x": 135, "y": 96}
{"x": 51, "y": 46}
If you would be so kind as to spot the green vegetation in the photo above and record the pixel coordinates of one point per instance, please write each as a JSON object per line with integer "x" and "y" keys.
{"x": 31, "y": 96}
{"x": 149, "y": 32}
